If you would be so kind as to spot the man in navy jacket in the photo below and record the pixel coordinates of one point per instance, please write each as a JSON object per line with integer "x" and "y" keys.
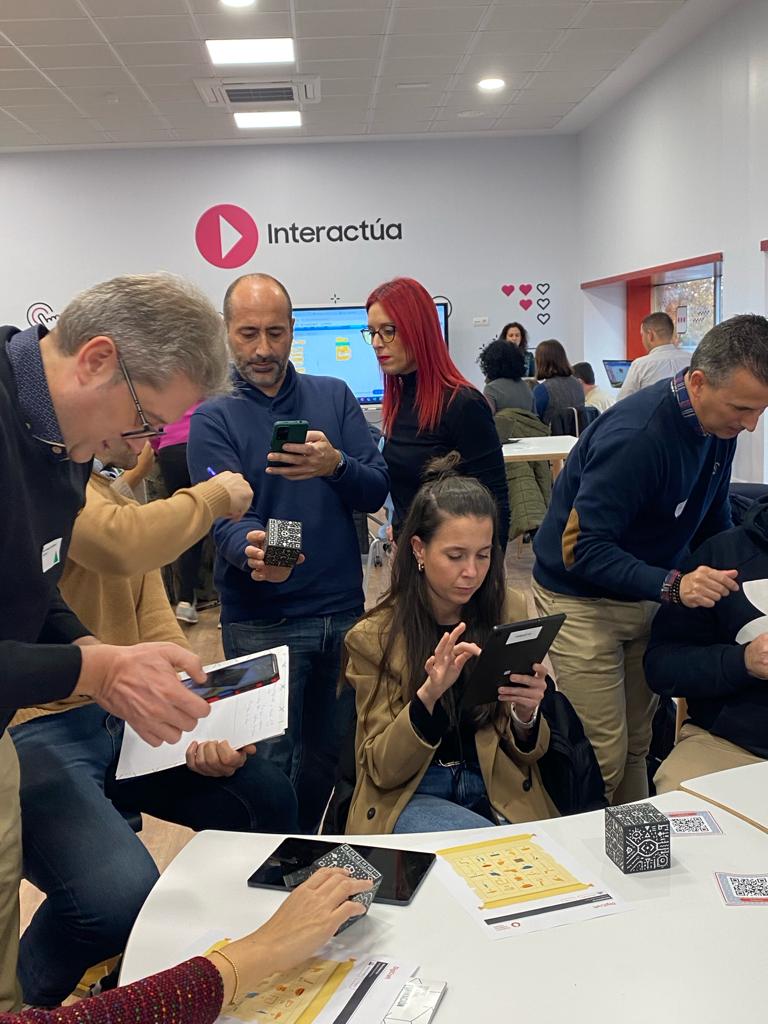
{"x": 717, "y": 658}
{"x": 646, "y": 481}
{"x": 319, "y": 483}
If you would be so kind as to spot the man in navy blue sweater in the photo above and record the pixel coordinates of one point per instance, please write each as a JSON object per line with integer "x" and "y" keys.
{"x": 319, "y": 483}
{"x": 647, "y": 478}
{"x": 717, "y": 659}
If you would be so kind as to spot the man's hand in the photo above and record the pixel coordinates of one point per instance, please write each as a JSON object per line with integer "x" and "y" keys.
{"x": 217, "y": 758}
{"x": 704, "y": 586}
{"x": 317, "y": 457}
{"x": 239, "y": 491}
{"x": 141, "y": 685}
{"x": 260, "y": 572}
{"x": 756, "y": 657}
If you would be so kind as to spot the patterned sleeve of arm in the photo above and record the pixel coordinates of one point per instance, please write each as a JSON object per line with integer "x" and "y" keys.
{"x": 191, "y": 993}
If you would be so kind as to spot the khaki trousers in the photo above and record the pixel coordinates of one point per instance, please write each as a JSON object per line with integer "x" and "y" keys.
{"x": 10, "y": 874}
{"x": 698, "y": 752}
{"x": 598, "y": 660}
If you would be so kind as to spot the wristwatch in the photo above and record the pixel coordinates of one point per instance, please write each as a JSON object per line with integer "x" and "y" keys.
{"x": 341, "y": 465}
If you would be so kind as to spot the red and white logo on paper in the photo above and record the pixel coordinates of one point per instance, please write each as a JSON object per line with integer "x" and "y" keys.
{"x": 226, "y": 236}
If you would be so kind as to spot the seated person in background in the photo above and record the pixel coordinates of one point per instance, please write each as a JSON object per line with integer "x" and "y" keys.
{"x": 518, "y": 336}
{"x": 664, "y": 359}
{"x": 593, "y": 395}
{"x": 429, "y": 408}
{"x": 77, "y": 846}
{"x": 425, "y": 763}
{"x": 558, "y": 388}
{"x": 717, "y": 658}
{"x": 198, "y": 990}
{"x": 503, "y": 365}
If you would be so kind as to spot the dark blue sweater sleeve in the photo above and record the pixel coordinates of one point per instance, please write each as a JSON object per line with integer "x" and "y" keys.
{"x": 364, "y": 483}
{"x": 605, "y": 506}
{"x": 540, "y": 400}
{"x": 210, "y": 445}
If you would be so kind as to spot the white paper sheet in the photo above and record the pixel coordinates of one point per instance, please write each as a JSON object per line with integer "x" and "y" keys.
{"x": 243, "y": 718}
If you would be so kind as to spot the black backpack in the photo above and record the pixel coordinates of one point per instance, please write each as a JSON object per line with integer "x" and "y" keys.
{"x": 569, "y": 769}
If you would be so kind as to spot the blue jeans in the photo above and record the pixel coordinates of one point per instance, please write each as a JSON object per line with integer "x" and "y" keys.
{"x": 317, "y": 722}
{"x": 447, "y": 800}
{"x": 82, "y": 853}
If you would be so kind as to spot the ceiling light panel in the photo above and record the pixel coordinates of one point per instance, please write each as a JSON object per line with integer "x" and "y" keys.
{"x": 251, "y": 51}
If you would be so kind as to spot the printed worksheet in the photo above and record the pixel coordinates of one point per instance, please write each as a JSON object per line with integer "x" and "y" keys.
{"x": 249, "y": 702}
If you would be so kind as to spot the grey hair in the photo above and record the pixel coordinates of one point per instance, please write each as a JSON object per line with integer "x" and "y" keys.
{"x": 227, "y": 307}
{"x": 161, "y": 324}
{"x": 738, "y": 343}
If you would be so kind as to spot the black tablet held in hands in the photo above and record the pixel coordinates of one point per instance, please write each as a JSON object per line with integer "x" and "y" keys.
{"x": 511, "y": 649}
{"x": 402, "y": 871}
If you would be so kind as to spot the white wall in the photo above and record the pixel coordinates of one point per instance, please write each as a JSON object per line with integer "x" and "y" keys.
{"x": 678, "y": 169}
{"x": 605, "y": 327}
{"x": 475, "y": 215}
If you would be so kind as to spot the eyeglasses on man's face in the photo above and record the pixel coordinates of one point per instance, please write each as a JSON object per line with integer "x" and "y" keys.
{"x": 146, "y": 429}
{"x": 386, "y": 332}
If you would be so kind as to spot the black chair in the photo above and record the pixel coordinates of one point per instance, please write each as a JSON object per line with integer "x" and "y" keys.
{"x": 573, "y": 421}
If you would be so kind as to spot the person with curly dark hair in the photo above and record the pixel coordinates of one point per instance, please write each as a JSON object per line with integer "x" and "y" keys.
{"x": 518, "y": 335}
{"x": 503, "y": 367}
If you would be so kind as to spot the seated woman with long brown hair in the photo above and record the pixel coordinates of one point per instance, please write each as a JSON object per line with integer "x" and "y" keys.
{"x": 424, "y": 761}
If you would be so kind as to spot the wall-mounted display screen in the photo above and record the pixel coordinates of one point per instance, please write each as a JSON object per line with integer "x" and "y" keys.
{"x": 327, "y": 341}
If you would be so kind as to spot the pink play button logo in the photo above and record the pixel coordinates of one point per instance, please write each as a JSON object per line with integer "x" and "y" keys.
{"x": 226, "y": 236}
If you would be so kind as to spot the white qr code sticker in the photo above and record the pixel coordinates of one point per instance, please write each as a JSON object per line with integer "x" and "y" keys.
{"x": 743, "y": 890}
{"x": 693, "y": 823}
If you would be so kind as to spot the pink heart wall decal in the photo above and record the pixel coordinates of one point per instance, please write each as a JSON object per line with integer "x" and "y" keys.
{"x": 525, "y": 288}
{"x": 507, "y": 289}
{"x": 526, "y": 303}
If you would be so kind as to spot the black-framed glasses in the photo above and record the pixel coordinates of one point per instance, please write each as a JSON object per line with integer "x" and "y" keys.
{"x": 146, "y": 429}
{"x": 387, "y": 334}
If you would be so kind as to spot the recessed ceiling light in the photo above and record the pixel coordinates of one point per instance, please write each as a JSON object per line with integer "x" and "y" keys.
{"x": 491, "y": 84}
{"x": 237, "y": 3}
{"x": 268, "y": 119}
{"x": 251, "y": 51}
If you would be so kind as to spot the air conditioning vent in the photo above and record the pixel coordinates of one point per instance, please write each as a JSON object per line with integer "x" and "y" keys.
{"x": 234, "y": 93}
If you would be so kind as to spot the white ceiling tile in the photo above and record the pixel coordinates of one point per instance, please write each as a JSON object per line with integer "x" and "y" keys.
{"x": 38, "y": 117}
{"x": 148, "y": 30}
{"x": 213, "y": 7}
{"x": 13, "y": 98}
{"x": 313, "y": 6}
{"x": 39, "y": 9}
{"x": 345, "y": 86}
{"x": 338, "y": 68}
{"x": 249, "y": 24}
{"x": 406, "y": 103}
{"x": 389, "y": 85}
{"x": 523, "y": 122}
{"x": 418, "y": 67}
{"x": 533, "y": 16}
{"x": 511, "y": 43}
{"x": 11, "y": 58}
{"x": 94, "y": 78}
{"x": 117, "y": 8}
{"x": 158, "y": 54}
{"x": 172, "y": 73}
{"x": 21, "y": 78}
{"x": 142, "y": 135}
{"x": 555, "y": 85}
{"x": 66, "y": 134}
{"x": 94, "y": 56}
{"x": 352, "y": 47}
{"x": 514, "y": 80}
{"x": 629, "y": 15}
{"x": 593, "y": 60}
{"x": 172, "y": 92}
{"x": 410, "y": 47}
{"x": 426, "y": 4}
{"x": 463, "y": 124}
{"x": 436, "y": 20}
{"x": 341, "y": 23}
{"x": 53, "y": 32}
{"x": 580, "y": 40}
{"x": 501, "y": 66}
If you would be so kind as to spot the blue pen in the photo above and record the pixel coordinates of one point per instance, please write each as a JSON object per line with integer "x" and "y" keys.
{"x": 211, "y": 471}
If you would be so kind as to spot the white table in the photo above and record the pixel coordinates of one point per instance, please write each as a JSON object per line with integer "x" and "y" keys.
{"x": 533, "y": 449}
{"x": 742, "y": 791}
{"x": 680, "y": 955}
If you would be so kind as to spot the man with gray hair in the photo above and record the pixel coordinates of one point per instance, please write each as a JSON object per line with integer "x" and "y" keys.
{"x": 124, "y": 358}
{"x": 643, "y": 483}
{"x": 665, "y": 358}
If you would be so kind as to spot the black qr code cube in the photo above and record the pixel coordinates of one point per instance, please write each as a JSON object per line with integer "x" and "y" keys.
{"x": 637, "y": 837}
{"x": 283, "y": 545}
{"x": 358, "y": 867}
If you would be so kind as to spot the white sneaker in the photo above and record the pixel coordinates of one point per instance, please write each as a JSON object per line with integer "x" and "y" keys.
{"x": 186, "y": 612}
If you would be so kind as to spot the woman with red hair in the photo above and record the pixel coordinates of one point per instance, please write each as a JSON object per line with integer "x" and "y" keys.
{"x": 429, "y": 408}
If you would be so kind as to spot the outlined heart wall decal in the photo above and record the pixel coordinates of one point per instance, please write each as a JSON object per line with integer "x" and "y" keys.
{"x": 526, "y": 288}
{"x": 526, "y": 303}
{"x": 507, "y": 289}
{"x": 543, "y": 318}
{"x": 543, "y": 287}
{"x": 543, "y": 303}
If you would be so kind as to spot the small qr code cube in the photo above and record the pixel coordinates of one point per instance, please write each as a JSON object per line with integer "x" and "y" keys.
{"x": 637, "y": 837}
{"x": 358, "y": 867}
{"x": 283, "y": 545}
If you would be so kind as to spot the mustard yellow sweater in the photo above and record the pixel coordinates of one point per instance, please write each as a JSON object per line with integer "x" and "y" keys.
{"x": 112, "y": 577}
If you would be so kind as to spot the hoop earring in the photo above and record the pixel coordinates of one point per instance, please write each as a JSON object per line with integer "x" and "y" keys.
{"x": 420, "y": 566}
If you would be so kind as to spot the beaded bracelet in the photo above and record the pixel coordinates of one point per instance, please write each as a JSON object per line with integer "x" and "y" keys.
{"x": 234, "y": 1000}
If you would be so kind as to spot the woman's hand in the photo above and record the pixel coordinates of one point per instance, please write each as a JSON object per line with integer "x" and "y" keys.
{"x": 217, "y": 758}
{"x": 445, "y": 665}
{"x": 526, "y": 694}
{"x": 304, "y": 922}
